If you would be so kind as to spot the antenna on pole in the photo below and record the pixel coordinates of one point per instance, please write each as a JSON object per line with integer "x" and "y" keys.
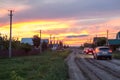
{"x": 10, "y": 39}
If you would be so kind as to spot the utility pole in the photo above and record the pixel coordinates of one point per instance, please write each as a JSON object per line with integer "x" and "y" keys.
{"x": 57, "y": 40}
{"x": 107, "y": 38}
{"x": 50, "y": 39}
{"x": 40, "y": 43}
{"x": 54, "y": 40}
{"x": 96, "y": 40}
{"x": 10, "y": 39}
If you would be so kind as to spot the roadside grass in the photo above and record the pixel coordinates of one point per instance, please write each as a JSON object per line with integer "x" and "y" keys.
{"x": 49, "y": 65}
{"x": 116, "y": 55}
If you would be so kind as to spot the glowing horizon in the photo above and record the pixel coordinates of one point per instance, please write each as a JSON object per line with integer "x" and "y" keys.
{"x": 56, "y": 29}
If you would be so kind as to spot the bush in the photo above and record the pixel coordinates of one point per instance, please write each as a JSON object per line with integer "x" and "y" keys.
{"x": 14, "y": 76}
{"x": 26, "y": 47}
{"x": 116, "y": 55}
{"x": 44, "y": 46}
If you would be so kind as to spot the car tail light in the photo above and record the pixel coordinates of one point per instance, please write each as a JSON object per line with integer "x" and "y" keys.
{"x": 86, "y": 50}
{"x": 93, "y": 51}
{"x": 110, "y": 50}
{"x": 97, "y": 51}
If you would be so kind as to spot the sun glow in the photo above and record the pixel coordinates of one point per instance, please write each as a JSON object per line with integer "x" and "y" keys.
{"x": 84, "y": 32}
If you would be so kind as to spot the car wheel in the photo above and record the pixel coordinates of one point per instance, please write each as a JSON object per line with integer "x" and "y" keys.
{"x": 94, "y": 57}
{"x": 97, "y": 58}
{"x": 110, "y": 58}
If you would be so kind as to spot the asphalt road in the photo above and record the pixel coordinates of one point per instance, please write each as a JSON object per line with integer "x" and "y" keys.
{"x": 84, "y": 67}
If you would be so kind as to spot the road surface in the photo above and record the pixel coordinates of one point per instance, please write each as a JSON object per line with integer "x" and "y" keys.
{"x": 84, "y": 67}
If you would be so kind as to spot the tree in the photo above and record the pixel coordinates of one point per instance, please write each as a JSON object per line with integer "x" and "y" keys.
{"x": 36, "y": 41}
{"x": 101, "y": 41}
{"x": 60, "y": 44}
{"x": 44, "y": 46}
{"x": 87, "y": 44}
{"x": 4, "y": 42}
{"x": 26, "y": 47}
{"x": 50, "y": 45}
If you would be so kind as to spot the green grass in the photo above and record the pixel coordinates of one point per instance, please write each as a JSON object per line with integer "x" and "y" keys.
{"x": 48, "y": 66}
{"x": 116, "y": 55}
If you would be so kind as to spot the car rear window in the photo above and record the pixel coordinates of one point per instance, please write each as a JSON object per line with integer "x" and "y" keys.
{"x": 104, "y": 49}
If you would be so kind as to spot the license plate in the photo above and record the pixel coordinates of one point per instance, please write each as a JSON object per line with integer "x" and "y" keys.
{"x": 104, "y": 52}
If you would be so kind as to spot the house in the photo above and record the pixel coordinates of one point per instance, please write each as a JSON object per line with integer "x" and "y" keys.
{"x": 45, "y": 40}
{"x": 118, "y": 35}
{"x": 114, "y": 43}
{"x": 29, "y": 40}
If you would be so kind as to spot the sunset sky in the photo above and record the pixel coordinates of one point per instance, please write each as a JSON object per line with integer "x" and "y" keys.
{"x": 72, "y": 21}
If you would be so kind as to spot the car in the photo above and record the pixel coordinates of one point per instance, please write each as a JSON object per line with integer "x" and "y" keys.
{"x": 102, "y": 52}
{"x": 88, "y": 51}
{"x": 85, "y": 50}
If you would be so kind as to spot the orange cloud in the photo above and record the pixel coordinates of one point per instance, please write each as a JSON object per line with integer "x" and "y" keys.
{"x": 84, "y": 32}
{"x": 75, "y": 41}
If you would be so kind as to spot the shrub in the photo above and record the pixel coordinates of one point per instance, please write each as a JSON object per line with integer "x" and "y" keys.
{"x": 14, "y": 76}
{"x": 26, "y": 47}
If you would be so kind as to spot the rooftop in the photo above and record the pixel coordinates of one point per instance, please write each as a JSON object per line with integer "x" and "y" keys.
{"x": 114, "y": 42}
{"x": 29, "y": 40}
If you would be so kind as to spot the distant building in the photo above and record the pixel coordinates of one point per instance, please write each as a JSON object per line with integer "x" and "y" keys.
{"x": 46, "y": 40}
{"x": 115, "y": 43}
{"x": 29, "y": 40}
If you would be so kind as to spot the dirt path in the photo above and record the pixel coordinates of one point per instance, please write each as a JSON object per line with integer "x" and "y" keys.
{"x": 84, "y": 67}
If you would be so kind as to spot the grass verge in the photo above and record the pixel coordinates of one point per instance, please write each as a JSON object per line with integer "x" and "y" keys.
{"x": 116, "y": 55}
{"x": 48, "y": 66}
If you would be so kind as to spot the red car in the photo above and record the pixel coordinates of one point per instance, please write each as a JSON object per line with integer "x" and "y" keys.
{"x": 88, "y": 50}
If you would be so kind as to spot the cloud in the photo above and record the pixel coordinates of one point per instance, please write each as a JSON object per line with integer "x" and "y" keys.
{"x": 78, "y": 8}
{"x": 76, "y": 36}
{"x": 16, "y": 5}
{"x": 59, "y": 9}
